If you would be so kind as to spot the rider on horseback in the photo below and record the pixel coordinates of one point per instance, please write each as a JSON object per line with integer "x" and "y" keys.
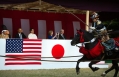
{"x": 96, "y": 27}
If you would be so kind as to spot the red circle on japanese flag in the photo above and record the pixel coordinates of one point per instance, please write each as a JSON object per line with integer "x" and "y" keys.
{"x": 57, "y": 51}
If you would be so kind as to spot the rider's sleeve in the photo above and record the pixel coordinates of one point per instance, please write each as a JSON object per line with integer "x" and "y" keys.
{"x": 99, "y": 27}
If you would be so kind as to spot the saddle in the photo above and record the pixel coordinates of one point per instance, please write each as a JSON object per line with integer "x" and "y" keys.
{"x": 94, "y": 52}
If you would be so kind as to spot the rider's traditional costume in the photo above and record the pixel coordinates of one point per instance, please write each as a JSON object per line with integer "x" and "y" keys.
{"x": 96, "y": 27}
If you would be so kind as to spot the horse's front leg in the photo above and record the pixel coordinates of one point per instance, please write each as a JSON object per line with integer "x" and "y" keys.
{"x": 77, "y": 65}
{"x": 93, "y": 68}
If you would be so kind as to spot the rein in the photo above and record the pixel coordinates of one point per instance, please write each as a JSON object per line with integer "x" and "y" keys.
{"x": 81, "y": 36}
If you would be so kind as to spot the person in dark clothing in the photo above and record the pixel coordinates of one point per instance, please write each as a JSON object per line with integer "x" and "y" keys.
{"x": 20, "y": 34}
{"x": 61, "y": 35}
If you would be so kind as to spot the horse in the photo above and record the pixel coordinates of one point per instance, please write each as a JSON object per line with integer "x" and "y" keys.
{"x": 93, "y": 54}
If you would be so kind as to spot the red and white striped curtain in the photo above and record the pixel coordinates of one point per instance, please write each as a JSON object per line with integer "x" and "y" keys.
{"x": 41, "y": 22}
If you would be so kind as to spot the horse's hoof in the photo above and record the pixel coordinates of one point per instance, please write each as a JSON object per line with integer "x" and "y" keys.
{"x": 103, "y": 75}
{"x": 77, "y": 70}
{"x": 77, "y": 73}
{"x": 95, "y": 69}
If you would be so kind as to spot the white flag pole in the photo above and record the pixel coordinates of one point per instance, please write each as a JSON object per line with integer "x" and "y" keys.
{"x": 87, "y": 20}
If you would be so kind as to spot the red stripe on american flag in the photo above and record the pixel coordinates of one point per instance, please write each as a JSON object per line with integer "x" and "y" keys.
{"x": 22, "y": 59}
{"x": 31, "y": 47}
{"x": 31, "y": 51}
{"x": 23, "y": 55}
{"x": 32, "y": 43}
{"x": 32, "y": 39}
{"x": 24, "y": 63}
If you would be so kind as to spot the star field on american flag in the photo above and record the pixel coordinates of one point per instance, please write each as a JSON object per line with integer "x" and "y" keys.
{"x": 14, "y": 45}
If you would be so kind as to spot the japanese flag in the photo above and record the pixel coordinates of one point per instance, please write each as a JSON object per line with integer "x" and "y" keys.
{"x": 58, "y": 49}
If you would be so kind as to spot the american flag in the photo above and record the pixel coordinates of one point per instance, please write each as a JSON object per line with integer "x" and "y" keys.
{"x": 23, "y": 52}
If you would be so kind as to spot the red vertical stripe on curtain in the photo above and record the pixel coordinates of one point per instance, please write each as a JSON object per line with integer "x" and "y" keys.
{"x": 70, "y": 31}
{"x": 1, "y": 22}
{"x": 82, "y": 21}
{"x": 49, "y": 17}
{"x": 33, "y": 18}
{"x": 50, "y": 26}
{"x": 34, "y": 25}
{"x": 16, "y": 22}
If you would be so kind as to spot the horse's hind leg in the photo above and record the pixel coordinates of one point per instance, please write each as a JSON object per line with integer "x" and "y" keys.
{"x": 114, "y": 66}
{"x": 104, "y": 74}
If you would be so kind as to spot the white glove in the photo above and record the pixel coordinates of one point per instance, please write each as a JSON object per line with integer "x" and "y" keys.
{"x": 92, "y": 28}
{"x": 103, "y": 29}
{"x": 93, "y": 40}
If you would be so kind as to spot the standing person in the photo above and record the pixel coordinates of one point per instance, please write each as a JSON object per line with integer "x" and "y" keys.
{"x": 32, "y": 35}
{"x": 61, "y": 35}
{"x": 50, "y": 35}
{"x": 20, "y": 34}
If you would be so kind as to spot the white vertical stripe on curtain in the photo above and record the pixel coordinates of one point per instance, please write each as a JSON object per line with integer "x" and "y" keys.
{"x": 76, "y": 25}
{"x": 42, "y": 29}
{"x": 25, "y": 25}
{"x": 57, "y": 26}
{"x": 8, "y": 23}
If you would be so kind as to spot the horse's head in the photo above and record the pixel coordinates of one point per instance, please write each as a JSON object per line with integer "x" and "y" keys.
{"x": 81, "y": 36}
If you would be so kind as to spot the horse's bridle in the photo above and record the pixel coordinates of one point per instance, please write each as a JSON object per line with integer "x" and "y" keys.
{"x": 82, "y": 39}
{"x": 81, "y": 36}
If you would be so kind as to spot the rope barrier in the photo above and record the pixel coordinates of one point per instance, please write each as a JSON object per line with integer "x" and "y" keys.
{"x": 60, "y": 60}
{"x": 42, "y": 57}
{"x": 78, "y": 61}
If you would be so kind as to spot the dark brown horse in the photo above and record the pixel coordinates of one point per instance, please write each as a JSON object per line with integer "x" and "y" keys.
{"x": 87, "y": 38}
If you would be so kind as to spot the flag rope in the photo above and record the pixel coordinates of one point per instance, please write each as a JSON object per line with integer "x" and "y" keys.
{"x": 74, "y": 15}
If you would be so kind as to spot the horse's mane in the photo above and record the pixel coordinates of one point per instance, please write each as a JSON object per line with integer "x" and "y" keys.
{"x": 89, "y": 36}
